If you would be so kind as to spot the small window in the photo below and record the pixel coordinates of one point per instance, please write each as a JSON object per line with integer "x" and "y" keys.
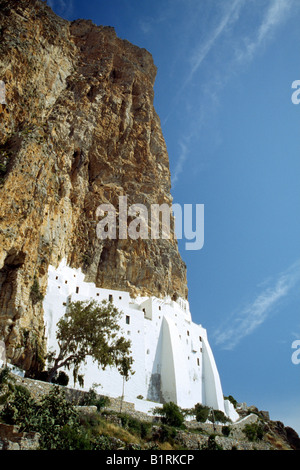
{"x": 201, "y": 350}
{"x": 198, "y": 361}
{"x": 127, "y": 320}
{"x": 110, "y": 298}
{"x": 148, "y": 351}
{"x": 77, "y": 290}
{"x": 128, "y": 333}
{"x": 200, "y": 339}
{"x": 159, "y": 308}
{"x": 97, "y": 294}
{"x": 64, "y": 304}
{"x": 66, "y": 282}
{"x": 188, "y": 333}
{"x": 144, "y": 310}
{"x": 120, "y": 298}
{"x": 56, "y": 277}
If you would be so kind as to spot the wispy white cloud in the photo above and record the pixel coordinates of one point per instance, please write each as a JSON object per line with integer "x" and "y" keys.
{"x": 276, "y": 13}
{"x": 183, "y": 155}
{"x": 229, "y": 17}
{"x": 247, "y": 319}
{"x": 238, "y": 48}
{"x": 198, "y": 55}
{"x": 62, "y": 7}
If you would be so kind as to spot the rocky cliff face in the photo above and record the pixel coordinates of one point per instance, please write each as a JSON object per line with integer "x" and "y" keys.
{"x": 78, "y": 129}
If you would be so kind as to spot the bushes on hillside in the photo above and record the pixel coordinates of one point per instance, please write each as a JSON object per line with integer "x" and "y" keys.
{"x": 254, "y": 431}
{"x": 171, "y": 414}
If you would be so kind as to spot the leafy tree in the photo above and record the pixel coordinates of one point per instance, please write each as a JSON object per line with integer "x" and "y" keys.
{"x": 20, "y": 408}
{"x": 220, "y": 417}
{"x": 201, "y": 412}
{"x": 171, "y": 414}
{"x": 55, "y": 419}
{"x": 89, "y": 328}
{"x": 125, "y": 370}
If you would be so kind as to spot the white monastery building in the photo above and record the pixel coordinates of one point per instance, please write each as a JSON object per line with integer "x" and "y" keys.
{"x": 173, "y": 360}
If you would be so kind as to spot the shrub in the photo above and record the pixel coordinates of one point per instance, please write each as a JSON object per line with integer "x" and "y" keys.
{"x": 132, "y": 424}
{"x": 212, "y": 444}
{"x": 226, "y": 430}
{"x": 6, "y": 385}
{"x": 166, "y": 433}
{"x": 136, "y": 426}
{"x": 145, "y": 429}
{"x": 220, "y": 416}
{"x": 232, "y": 400}
{"x": 35, "y": 293}
{"x": 21, "y": 410}
{"x": 91, "y": 398}
{"x": 171, "y": 414}
{"x": 103, "y": 443}
{"x": 61, "y": 379}
{"x": 254, "y": 431}
{"x": 201, "y": 412}
{"x": 5, "y": 377}
{"x": 53, "y": 418}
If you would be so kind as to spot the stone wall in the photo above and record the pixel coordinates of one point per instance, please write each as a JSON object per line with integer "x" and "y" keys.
{"x": 194, "y": 437}
{"x": 12, "y": 439}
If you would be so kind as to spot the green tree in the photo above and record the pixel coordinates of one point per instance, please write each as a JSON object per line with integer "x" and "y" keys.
{"x": 171, "y": 414}
{"x": 89, "y": 328}
{"x": 124, "y": 367}
{"x": 201, "y": 412}
{"x": 220, "y": 417}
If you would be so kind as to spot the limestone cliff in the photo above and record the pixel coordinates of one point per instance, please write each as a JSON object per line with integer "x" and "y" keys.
{"x": 78, "y": 129}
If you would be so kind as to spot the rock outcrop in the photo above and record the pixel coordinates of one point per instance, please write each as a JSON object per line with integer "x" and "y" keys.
{"x": 78, "y": 129}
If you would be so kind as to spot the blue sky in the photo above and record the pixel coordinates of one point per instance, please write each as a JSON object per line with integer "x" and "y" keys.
{"x": 223, "y": 94}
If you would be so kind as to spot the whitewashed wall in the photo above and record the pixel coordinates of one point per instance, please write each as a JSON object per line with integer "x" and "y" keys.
{"x": 172, "y": 357}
